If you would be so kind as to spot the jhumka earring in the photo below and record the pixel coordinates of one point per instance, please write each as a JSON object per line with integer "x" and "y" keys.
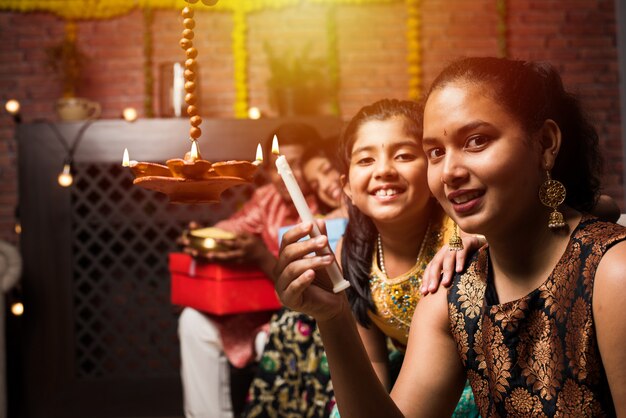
{"x": 455, "y": 243}
{"x": 552, "y": 194}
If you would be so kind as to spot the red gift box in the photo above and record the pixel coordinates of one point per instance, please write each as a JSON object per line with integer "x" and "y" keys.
{"x": 219, "y": 289}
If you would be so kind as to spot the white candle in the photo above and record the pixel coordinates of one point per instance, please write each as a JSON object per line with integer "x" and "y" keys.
{"x": 339, "y": 283}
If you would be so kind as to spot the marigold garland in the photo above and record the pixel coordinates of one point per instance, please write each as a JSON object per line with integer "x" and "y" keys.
{"x": 414, "y": 53}
{"x": 240, "y": 57}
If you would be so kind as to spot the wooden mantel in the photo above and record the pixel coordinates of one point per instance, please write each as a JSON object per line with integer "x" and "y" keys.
{"x": 159, "y": 139}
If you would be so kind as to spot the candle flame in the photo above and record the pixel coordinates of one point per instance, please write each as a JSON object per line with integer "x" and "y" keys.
{"x": 275, "y": 146}
{"x": 125, "y": 159}
{"x": 259, "y": 153}
{"x": 194, "y": 150}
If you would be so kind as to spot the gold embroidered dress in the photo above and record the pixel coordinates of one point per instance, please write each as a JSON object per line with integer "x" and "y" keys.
{"x": 395, "y": 298}
{"x": 536, "y": 356}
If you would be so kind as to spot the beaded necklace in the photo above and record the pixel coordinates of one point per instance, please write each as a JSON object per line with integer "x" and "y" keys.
{"x": 381, "y": 256}
{"x": 396, "y": 298}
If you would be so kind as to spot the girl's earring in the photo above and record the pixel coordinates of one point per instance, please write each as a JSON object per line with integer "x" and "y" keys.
{"x": 455, "y": 243}
{"x": 552, "y": 194}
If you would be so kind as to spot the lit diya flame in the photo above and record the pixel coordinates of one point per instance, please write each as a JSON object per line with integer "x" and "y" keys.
{"x": 125, "y": 159}
{"x": 259, "y": 155}
{"x": 194, "y": 150}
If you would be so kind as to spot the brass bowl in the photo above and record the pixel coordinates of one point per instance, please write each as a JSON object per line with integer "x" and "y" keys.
{"x": 208, "y": 239}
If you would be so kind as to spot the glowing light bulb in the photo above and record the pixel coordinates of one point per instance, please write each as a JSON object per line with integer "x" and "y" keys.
{"x": 18, "y": 228}
{"x": 12, "y": 106}
{"x": 17, "y": 308}
{"x": 66, "y": 179}
{"x": 275, "y": 150}
{"x": 129, "y": 114}
{"x": 254, "y": 113}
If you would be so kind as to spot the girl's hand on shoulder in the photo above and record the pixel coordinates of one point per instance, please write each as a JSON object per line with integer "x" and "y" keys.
{"x": 301, "y": 281}
{"x": 446, "y": 263}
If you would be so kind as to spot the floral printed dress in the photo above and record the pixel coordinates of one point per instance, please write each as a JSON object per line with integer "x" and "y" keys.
{"x": 293, "y": 378}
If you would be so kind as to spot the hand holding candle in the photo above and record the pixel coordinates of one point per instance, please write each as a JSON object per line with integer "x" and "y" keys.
{"x": 339, "y": 283}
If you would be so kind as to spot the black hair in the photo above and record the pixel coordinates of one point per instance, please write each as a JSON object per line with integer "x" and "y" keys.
{"x": 360, "y": 234}
{"x": 532, "y": 93}
{"x": 327, "y": 148}
{"x": 293, "y": 133}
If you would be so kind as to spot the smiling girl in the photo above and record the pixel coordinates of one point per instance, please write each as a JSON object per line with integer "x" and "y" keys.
{"x": 395, "y": 229}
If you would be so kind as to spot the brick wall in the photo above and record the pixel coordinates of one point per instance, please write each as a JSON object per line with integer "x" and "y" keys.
{"x": 578, "y": 36}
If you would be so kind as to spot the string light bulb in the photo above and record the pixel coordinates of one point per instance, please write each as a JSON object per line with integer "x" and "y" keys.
{"x": 12, "y": 106}
{"x": 129, "y": 114}
{"x": 254, "y": 113}
{"x": 17, "y": 308}
{"x": 65, "y": 178}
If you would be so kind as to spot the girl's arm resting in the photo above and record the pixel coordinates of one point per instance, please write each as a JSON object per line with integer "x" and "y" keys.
{"x": 432, "y": 377}
{"x": 375, "y": 344}
{"x": 610, "y": 321}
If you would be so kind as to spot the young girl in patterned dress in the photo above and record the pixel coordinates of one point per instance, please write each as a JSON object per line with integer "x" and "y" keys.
{"x": 535, "y": 320}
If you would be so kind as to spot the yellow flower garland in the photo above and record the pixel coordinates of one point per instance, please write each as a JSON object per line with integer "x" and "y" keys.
{"x": 414, "y": 53}
{"x": 240, "y": 57}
